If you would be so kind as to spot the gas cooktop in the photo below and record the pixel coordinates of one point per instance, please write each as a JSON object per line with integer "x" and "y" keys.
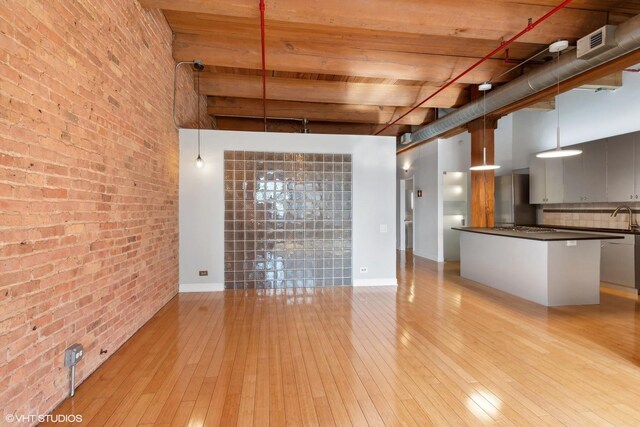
{"x": 526, "y": 229}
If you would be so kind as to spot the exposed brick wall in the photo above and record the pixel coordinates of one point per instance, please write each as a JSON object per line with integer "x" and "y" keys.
{"x": 88, "y": 186}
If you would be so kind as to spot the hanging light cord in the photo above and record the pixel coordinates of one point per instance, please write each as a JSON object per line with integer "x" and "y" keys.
{"x": 484, "y": 126}
{"x": 484, "y": 154}
{"x": 198, "y": 107}
{"x": 558, "y": 103}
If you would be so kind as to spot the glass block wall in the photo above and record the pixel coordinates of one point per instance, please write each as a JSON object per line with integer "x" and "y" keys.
{"x": 287, "y": 220}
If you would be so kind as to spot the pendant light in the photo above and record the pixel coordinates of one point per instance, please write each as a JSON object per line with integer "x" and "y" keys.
{"x": 484, "y": 87}
{"x": 558, "y": 47}
{"x": 198, "y": 67}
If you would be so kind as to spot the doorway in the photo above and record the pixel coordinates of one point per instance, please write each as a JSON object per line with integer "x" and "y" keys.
{"x": 454, "y": 211}
{"x": 407, "y": 206}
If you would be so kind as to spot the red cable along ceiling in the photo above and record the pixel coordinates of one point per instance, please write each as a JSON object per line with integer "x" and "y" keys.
{"x": 502, "y": 46}
{"x": 264, "y": 64}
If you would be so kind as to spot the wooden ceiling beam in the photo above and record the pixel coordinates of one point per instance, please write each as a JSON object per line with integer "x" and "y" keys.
{"x": 489, "y": 20}
{"x": 542, "y": 105}
{"x": 244, "y": 107}
{"x": 332, "y": 92}
{"x": 610, "y": 82}
{"x": 290, "y": 126}
{"x": 308, "y": 56}
{"x": 234, "y": 42}
{"x": 226, "y": 27}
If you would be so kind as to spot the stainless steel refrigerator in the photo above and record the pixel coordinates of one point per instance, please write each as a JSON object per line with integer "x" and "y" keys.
{"x": 512, "y": 201}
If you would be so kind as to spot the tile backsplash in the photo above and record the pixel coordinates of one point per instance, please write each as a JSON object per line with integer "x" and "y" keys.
{"x": 597, "y": 215}
{"x": 288, "y": 220}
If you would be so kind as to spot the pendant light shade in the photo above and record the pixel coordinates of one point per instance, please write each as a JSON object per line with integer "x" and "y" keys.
{"x": 484, "y": 166}
{"x": 484, "y": 87}
{"x": 557, "y": 152}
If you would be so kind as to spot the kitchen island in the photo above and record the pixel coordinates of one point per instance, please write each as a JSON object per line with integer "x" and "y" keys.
{"x": 545, "y": 266}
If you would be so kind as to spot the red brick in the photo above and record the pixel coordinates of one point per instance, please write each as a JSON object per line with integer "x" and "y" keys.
{"x": 13, "y": 278}
{"x": 79, "y": 174}
{"x": 6, "y": 190}
{"x": 55, "y": 230}
{"x": 54, "y": 193}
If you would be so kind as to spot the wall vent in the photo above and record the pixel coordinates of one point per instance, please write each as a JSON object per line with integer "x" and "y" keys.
{"x": 597, "y": 42}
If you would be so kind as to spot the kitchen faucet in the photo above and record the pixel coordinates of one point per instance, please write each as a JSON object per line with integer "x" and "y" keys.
{"x": 629, "y": 211}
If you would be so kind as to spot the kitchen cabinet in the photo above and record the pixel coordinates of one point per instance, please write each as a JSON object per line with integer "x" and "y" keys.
{"x": 636, "y": 195}
{"x": 584, "y": 176}
{"x": 621, "y": 168}
{"x": 608, "y": 170}
{"x": 617, "y": 258}
{"x": 595, "y": 171}
{"x": 537, "y": 181}
{"x": 573, "y": 179}
{"x": 617, "y": 261}
{"x": 554, "y": 179}
{"x": 546, "y": 177}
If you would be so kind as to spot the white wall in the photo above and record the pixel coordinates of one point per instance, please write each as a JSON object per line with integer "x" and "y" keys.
{"x": 202, "y": 200}
{"x": 426, "y": 165}
{"x": 454, "y": 153}
{"x": 422, "y": 164}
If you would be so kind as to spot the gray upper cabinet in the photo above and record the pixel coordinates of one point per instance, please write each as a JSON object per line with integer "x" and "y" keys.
{"x": 573, "y": 174}
{"x": 545, "y": 181}
{"x": 621, "y": 177}
{"x": 554, "y": 180}
{"x": 537, "y": 181}
{"x": 608, "y": 170}
{"x": 636, "y": 195}
{"x": 585, "y": 175}
{"x": 595, "y": 171}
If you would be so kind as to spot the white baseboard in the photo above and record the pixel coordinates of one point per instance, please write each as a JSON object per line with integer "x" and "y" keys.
{"x": 201, "y": 287}
{"x": 623, "y": 288}
{"x": 217, "y": 287}
{"x": 375, "y": 282}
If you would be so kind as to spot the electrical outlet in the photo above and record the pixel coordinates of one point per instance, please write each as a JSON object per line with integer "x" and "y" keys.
{"x": 364, "y": 270}
{"x": 73, "y": 355}
{"x": 203, "y": 273}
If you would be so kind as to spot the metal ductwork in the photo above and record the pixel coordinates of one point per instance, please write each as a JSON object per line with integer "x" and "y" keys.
{"x": 627, "y": 39}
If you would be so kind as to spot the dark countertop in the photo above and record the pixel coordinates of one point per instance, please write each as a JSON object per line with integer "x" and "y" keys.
{"x": 544, "y": 236}
{"x": 595, "y": 230}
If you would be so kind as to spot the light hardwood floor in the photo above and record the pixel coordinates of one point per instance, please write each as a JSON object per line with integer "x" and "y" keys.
{"x": 438, "y": 350}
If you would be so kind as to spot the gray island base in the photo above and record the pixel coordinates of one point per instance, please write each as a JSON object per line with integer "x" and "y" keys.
{"x": 550, "y": 268}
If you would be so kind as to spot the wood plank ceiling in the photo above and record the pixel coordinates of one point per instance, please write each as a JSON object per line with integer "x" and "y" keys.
{"x": 352, "y": 66}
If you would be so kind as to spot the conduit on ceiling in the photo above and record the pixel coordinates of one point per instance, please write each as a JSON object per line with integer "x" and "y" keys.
{"x": 264, "y": 64}
{"x": 627, "y": 40}
{"x": 530, "y": 26}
